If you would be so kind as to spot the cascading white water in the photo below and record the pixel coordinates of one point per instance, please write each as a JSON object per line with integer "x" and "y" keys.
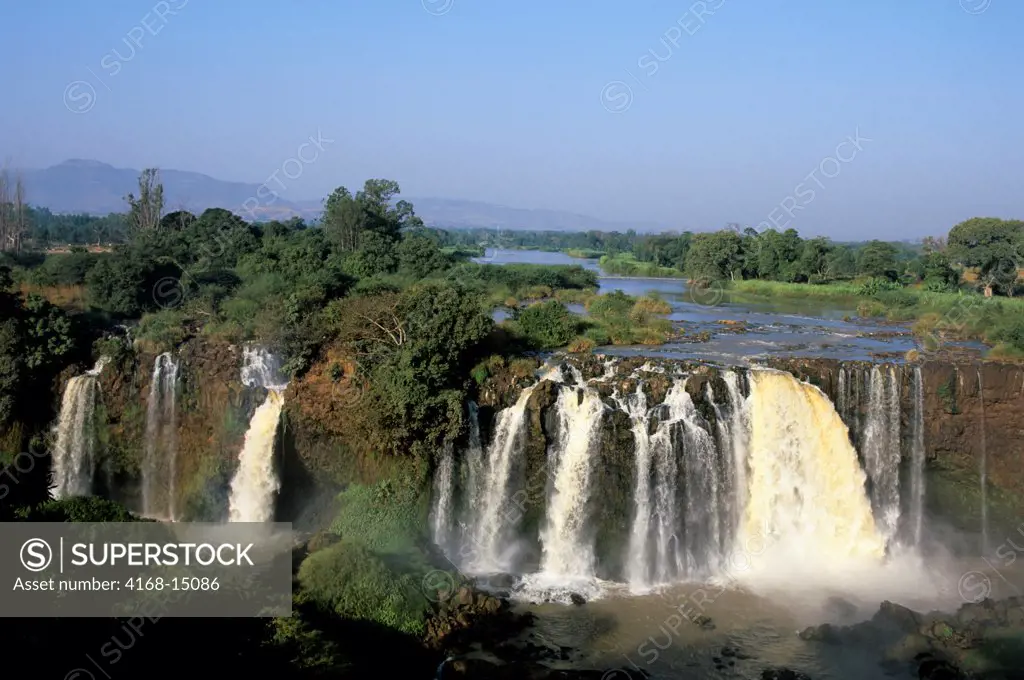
{"x": 880, "y": 447}
{"x": 159, "y": 467}
{"x": 702, "y": 479}
{"x": 777, "y": 465}
{"x": 566, "y": 552}
{"x": 739, "y": 442}
{"x": 74, "y": 451}
{"x": 256, "y": 483}
{"x": 484, "y": 548}
{"x": 917, "y": 455}
{"x": 474, "y": 460}
{"x": 807, "y": 490}
{"x": 444, "y": 489}
{"x": 638, "y": 563}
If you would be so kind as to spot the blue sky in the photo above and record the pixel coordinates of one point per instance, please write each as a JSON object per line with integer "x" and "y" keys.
{"x": 507, "y": 102}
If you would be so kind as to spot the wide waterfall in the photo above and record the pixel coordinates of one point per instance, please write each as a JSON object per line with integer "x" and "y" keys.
{"x": 720, "y": 463}
{"x": 74, "y": 453}
{"x": 159, "y": 467}
{"x": 256, "y": 483}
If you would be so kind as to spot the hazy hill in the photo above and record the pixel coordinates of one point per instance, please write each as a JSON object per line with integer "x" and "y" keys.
{"x": 89, "y": 186}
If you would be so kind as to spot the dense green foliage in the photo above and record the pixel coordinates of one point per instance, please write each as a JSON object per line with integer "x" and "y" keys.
{"x": 548, "y": 324}
{"x": 351, "y": 581}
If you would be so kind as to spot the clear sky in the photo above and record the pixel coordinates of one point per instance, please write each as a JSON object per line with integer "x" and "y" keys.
{"x": 508, "y": 102}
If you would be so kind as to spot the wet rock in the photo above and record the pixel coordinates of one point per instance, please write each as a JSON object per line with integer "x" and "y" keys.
{"x": 890, "y": 613}
{"x": 703, "y": 621}
{"x": 577, "y": 599}
{"x": 826, "y": 633}
{"x": 933, "y": 668}
{"x": 909, "y": 648}
{"x": 979, "y": 614}
{"x": 783, "y": 674}
{"x": 501, "y": 581}
{"x": 837, "y": 607}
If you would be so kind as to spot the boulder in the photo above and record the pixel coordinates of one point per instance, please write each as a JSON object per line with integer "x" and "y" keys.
{"x": 826, "y": 633}
{"x": 783, "y": 674}
{"x": 908, "y": 648}
{"x": 905, "y": 620}
{"x": 577, "y": 599}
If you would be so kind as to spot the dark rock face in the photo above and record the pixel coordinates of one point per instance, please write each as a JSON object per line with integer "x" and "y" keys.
{"x": 783, "y": 674}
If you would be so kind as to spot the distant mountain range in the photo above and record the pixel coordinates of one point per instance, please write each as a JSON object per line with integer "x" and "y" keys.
{"x": 88, "y": 186}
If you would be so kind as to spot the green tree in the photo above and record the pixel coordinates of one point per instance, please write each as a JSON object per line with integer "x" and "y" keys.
{"x": 420, "y": 256}
{"x": 146, "y": 209}
{"x": 374, "y": 256}
{"x": 816, "y": 260}
{"x": 994, "y": 246}
{"x": 715, "y": 257}
{"x": 878, "y": 259}
{"x": 548, "y": 324}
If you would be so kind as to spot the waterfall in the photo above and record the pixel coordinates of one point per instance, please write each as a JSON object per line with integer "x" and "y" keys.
{"x": 917, "y": 455}
{"x": 474, "y": 460}
{"x": 566, "y": 552}
{"x": 485, "y": 538}
{"x": 807, "y": 489}
{"x": 983, "y": 472}
{"x": 444, "y": 486}
{"x": 74, "y": 452}
{"x": 638, "y": 562}
{"x": 769, "y": 457}
{"x": 880, "y": 447}
{"x": 256, "y": 482}
{"x": 738, "y": 434}
{"x": 159, "y": 467}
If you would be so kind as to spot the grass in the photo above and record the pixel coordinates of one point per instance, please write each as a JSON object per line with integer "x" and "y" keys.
{"x": 962, "y": 315}
{"x": 584, "y": 253}
{"x": 625, "y": 264}
{"x": 72, "y": 297}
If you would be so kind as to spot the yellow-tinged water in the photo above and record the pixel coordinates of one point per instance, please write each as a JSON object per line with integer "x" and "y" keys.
{"x": 806, "y": 485}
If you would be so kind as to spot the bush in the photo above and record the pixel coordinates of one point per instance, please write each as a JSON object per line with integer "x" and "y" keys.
{"x": 548, "y": 324}
{"x": 1010, "y": 332}
{"x": 599, "y": 336}
{"x": 354, "y": 583}
{"x": 877, "y": 285}
{"x": 165, "y": 330}
{"x": 384, "y": 518}
{"x": 582, "y": 345}
{"x": 80, "y": 509}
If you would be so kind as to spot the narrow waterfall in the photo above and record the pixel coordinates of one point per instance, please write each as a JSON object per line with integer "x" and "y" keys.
{"x": 738, "y": 436}
{"x": 639, "y": 561}
{"x": 159, "y": 467}
{"x": 485, "y": 547}
{"x": 880, "y": 446}
{"x": 256, "y": 483}
{"x": 566, "y": 551}
{"x": 74, "y": 453}
{"x": 917, "y": 455}
{"x": 807, "y": 489}
{"x": 983, "y": 472}
{"x": 473, "y": 461}
{"x": 444, "y": 487}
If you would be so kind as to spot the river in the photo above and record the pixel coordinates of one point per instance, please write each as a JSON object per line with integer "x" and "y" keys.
{"x": 742, "y": 331}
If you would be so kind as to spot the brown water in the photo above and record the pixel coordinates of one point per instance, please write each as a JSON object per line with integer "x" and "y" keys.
{"x": 757, "y": 620}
